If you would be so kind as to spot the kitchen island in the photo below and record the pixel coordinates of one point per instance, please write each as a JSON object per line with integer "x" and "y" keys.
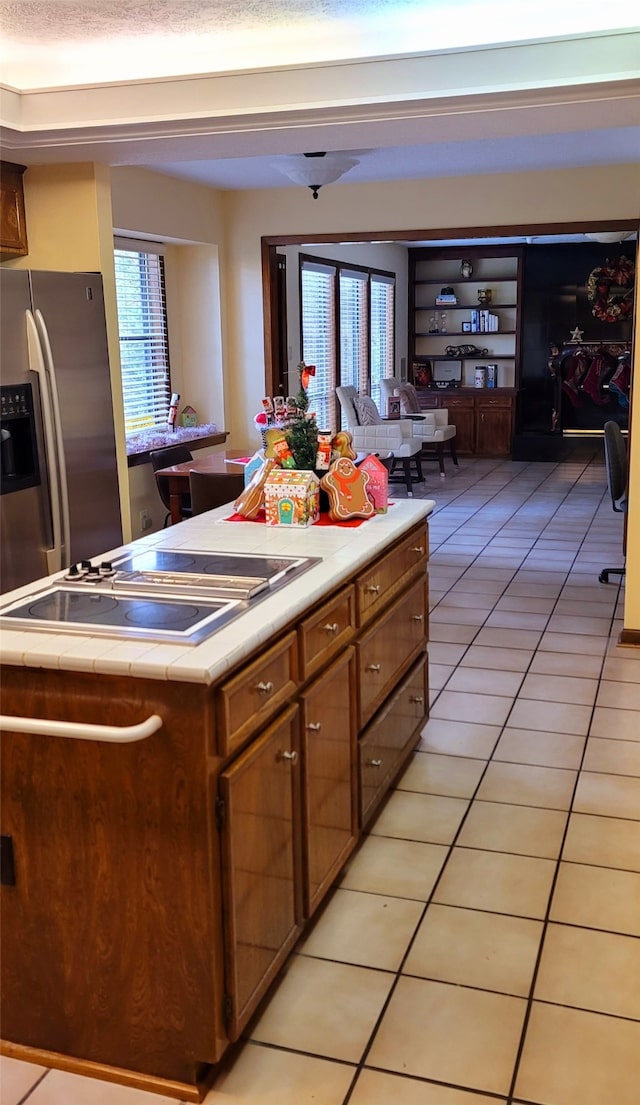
{"x": 173, "y": 814}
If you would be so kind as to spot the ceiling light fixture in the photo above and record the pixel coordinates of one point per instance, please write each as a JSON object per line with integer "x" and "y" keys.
{"x": 315, "y": 169}
{"x": 607, "y": 237}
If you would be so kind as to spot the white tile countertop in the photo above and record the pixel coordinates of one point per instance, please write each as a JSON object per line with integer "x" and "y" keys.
{"x": 343, "y": 550}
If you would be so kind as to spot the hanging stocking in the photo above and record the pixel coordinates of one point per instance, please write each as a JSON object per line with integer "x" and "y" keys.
{"x": 591, "y": 381}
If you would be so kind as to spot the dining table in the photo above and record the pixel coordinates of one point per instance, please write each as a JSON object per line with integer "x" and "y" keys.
{"x": 228, "y": 463}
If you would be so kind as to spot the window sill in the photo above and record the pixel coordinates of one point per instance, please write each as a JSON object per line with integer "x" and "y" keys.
{"x": 196, "y": 437}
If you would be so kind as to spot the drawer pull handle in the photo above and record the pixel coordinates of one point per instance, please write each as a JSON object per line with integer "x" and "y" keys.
{"x": 331, "y": 627}
{"x": 265, "y": 688}
{"x": 373, "y": 763}
{"x": 417, "y": 617}
{"x": 417, "y": 698}
{"x": 314, "y": 726}
{"x": 292, "y": 757}
{"x": 374, "y": 588}
{"x": 374, "y": 667}
{"x": 418, "y": 549}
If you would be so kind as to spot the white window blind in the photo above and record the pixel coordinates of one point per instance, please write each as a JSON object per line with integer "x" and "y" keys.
{"x": 354, "y": 344}
{"x": 144, "y": 346}
{"x": 318, "y": 310}
{"x": 382, "y": 334}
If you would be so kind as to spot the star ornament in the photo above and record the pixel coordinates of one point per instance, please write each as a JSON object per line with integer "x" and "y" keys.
{"x": 576, "y": 334}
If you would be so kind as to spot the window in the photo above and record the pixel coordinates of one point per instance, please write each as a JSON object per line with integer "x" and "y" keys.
{"x": 144, "y": 345}
{"x": 347, "y": 320}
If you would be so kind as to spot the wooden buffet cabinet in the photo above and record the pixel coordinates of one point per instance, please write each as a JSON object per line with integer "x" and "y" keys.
{"x": 160, "y": 886}
{"x": 13, "y": 226}
{"x": 484, "y": 418}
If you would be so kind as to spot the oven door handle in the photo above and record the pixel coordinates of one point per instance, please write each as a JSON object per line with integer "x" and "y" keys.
{"x": 108, "y": 734}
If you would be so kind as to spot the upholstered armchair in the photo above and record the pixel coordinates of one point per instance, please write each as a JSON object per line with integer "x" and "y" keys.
{"x": 372, "y": 434}
{"x": 432, "y": 428}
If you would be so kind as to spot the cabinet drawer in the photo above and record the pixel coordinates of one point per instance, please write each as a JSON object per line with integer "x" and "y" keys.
{"x": 388, "y": 647}
{"x": 501, "y": 402}
{"x": 326, "y": 631}
{"x": 388, "y": 740}
{"x": 250, "y": 699}
{"x": 382, "y": 581}
{"x": 458, "y": 402}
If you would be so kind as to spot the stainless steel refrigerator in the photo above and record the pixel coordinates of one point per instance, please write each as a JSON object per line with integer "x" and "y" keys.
{"x": 59, "y": 500}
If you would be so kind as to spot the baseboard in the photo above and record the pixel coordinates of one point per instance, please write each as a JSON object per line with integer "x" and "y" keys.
{"x": 630, "y": 637}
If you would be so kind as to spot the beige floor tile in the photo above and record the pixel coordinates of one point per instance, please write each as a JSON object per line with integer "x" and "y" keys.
{"x": 615, "y": 724}
{"x": 431, "y": 818}
{"x": 608, "y": 795}
{"x": 498, "y": 883}
{"x": 453, "y": 776}
{"x": 399, "y": 868}
{"x": 471, "y": 948}
{"x": 508, "y": 638}
{"x": 17, "y": 1078}
{"x": 583, "y": 608}
{"x": 525, "y": 604}
{"x": 589, "y": 627}
{"x": 496, "y": 827}
{"x": 530, "y": 746}
{"x": 375, "y": 1088}
{"x": 440, "y": 652}
{"x": 468, "y": 586}
{"x": 603, "y": 842}
{"x": 590, "y": 970}
{"x": 560, "y": 688}
{"x": 566, "y": 642}
{"x": 533, "y": 590}
{"x": 616, "y": 756}
{"x": 487, "y": 709}
{"x": 486, "y": 681}
{"x": 61, "y": 1088}
{"x": 456, "y": 615}
{"x": 566, "y": 663}
{"x": 550, "y": 717}
{"x": 513, "y": 619}
{"x": 624, "y": 671}
{"x": 369, "y": 930}
{"x": 596, "y": 897}
{"x": 326, "y": 1008}
{"x": 576, "y": 1058}
{"x": 446, "y": 632}
{"x": 269, "y": 1076}
{"x": 439, "y": 674}
{"x": 459, "y": 738}
{"x": 527, "y": 785}
{"x": 620, "y": 696}
{"x": 497, "y": 659}
{"x": 472, "y": 1036}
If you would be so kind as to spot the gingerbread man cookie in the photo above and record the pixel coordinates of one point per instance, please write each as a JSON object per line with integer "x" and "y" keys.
{"x": 342, "y": 446}
{"x": 346, "y": 487}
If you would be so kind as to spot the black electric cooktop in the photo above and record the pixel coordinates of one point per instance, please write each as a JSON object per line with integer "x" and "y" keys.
{"x": 157, "y": 595}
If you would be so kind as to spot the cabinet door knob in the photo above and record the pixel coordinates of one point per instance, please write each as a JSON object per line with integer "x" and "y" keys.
{"x": 417, "y": 698}
{"x": 292, "y": 757}
{"x": 418, "y": 549}
{"x": 374, "y": 588}
{"x": 373, "y": 763}
{"x": 331, "y": 627}
{"x": 314, "y": 726}
{"x": 417, "y": 617}
{"x": 374, "y": 667}
{"x": 265, "y": 688}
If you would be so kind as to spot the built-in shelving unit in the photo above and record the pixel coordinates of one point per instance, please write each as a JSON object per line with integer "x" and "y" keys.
{"x": 434, "y": 326}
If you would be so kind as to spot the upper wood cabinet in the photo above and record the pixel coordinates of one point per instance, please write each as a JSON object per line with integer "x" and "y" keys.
{"x": 496, "y": 270}
{"x": 13, "y": 227}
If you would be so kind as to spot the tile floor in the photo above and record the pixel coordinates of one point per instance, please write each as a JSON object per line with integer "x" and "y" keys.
{"x": 483, "y": 945}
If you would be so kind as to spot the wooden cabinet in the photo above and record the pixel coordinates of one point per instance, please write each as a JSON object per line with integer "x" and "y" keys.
{"x": 484, "y": 418}
{"x": 327, "y": 722}
{"x": 435, "y": 327}
{"x": 260, "y": 866}
{"x": 13, "y": 226}
{"x": 494, "y": 418}
{"x": 385, "y": 651}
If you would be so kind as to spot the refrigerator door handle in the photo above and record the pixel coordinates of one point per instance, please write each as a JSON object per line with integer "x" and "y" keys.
{"x": 37, "y": 365}
{"x": 50, "y": 369}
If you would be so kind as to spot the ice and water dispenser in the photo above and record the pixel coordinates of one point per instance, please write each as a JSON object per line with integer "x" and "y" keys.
{"x": 19, "y": 466}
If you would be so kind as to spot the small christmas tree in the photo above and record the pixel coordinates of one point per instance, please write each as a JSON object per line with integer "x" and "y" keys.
{"x": 302, "y": 431}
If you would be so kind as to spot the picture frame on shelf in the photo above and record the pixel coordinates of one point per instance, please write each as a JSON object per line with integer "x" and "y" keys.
{"x": 422, "y": 373}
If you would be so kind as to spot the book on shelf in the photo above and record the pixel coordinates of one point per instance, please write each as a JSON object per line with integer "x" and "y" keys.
{"x": 484, "y": 322}
{"x": 446, "y": 301}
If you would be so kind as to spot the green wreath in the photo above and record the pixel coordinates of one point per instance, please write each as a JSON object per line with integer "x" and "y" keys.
{"x": 616, "y": 274}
